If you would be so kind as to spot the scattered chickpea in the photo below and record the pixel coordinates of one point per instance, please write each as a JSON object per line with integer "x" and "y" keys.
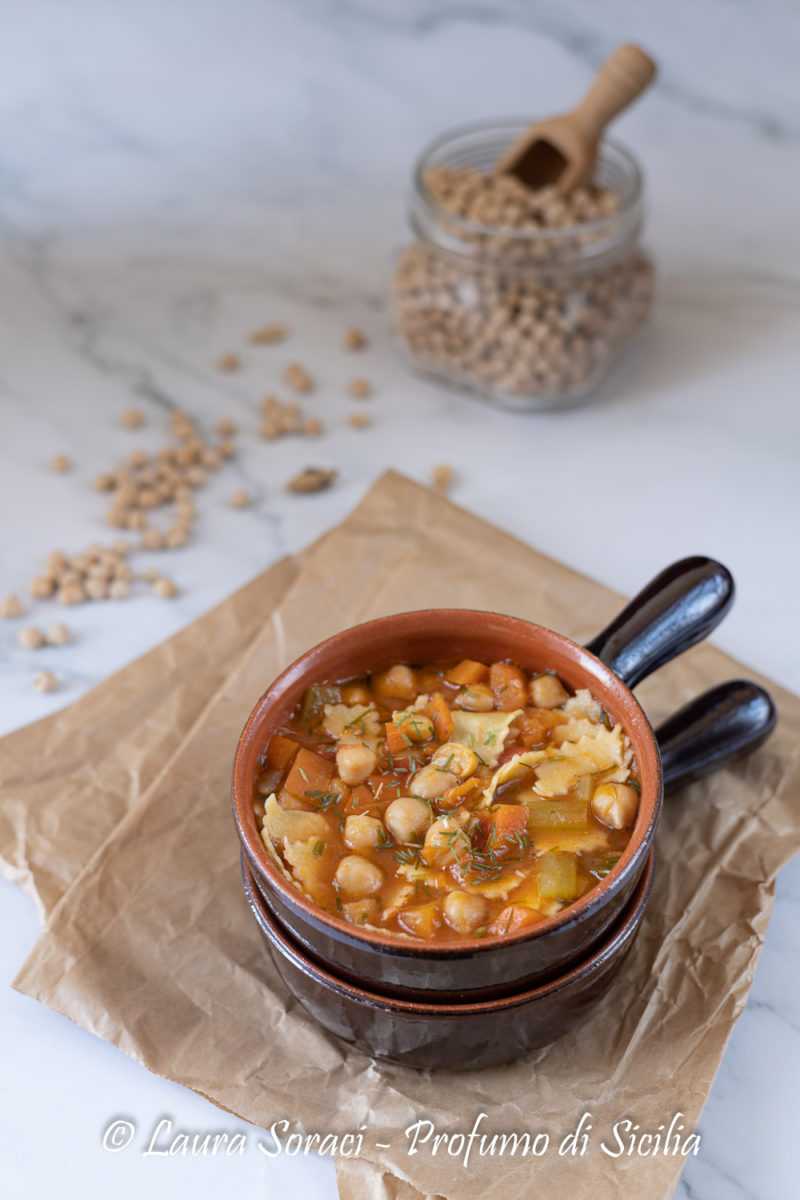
{"x": 152, "y": 539}
{"x": 298, "y": 378}
{"x": 176, "y": 537}
{"x": 71, "y": 593}
{"x": 354, "y": 339}
{"x": 133, "y": 418}
{"x": 61, "y": 464}
{"x": 45, "y": 681}
{"x": 138, "y": 458}
{"x": 225, "y": 427}
{"x": 10, "y": 608}
{"x": 196, "y": 476}
{"x": 96, "y": 588}
{"x": 240, "y": 499}
{"x": 269, "y": 430}
{"x": 359, "y": 389}
{"x": 57, "y": 560}
{"x": 227, "y": 448}
{"x": 120, "y": 589}
{"x": 313, "y": 427}
{"x": 58, "y": 635}
{"x": 149, "y": 575}
{"x": 228, "y": 362}
{"x": 104, "y": 482}
{"x": 41, "y": 587}
{"x": 30, "y": 638}
{"x": 268, "y": 334}
{"x": 165, "y": 588}
{"x": 359, "y": 420}
{"x": 442, "y": 477}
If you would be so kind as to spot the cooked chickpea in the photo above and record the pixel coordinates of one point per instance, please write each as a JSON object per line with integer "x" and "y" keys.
{"x": 465, "y": 911}
{"x": 362, "y": 832}
{"x": 430, "y": 782}
{"x": 357, "y": 876}
{"x": 446, "y": 839}
{"x": 475, "y": 698}
{"x": 356, "y": 693}
{"x": 399, "y": 680}
{"x": 458, "y": 760}
{"x": 407, "y": 818}
{"x": 355, "y": 763}
{"x": 547, "y": 691}
{"x": 615, "y": 804}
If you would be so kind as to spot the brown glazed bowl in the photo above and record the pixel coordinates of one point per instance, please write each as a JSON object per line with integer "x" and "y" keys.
{"x": 422, "y": 1033}
{"x": 676, "y": 610}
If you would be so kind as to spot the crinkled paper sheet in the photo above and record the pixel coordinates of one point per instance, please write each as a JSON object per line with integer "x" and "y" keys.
{"x": 154, "y": 949}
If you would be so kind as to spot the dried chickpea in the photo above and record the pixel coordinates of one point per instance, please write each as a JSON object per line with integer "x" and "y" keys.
{"x": 96, "y": 588}
{"x": 268, "y": 334}
{"x": 298, "y": 378}
{"x": 176, "y": 537}
{"x": 313, "y": 479}
{"x": 225, "y": 427}
{"x": 10, "y": 608}
{"x": 57, "y": 560}
{"x": 152, "y": 539}
{"x": 119, "y": 589}
{"x": 354, "y": 339}
{"x": 165, "y": 588}
{"x": 240, "y": 499}
{"x": 42, "y": 587}
{"x": 30, "y": 638}
{"x": 228, "y": 362}
{"x": 104, "y": 483}
{"x": 71, "y": 593}
{"x": 45, "y": 681}
{"x": 442, "y": 477}
{"x": 313, "y": 427}
{"x": 359, "y": 388}
{"x": 132, "y": 418}
{"x": 58, "y": 634}
{"x": 61, "y": 464}
{"x": 359, "y": 420}
{"x": 227, "y": 448}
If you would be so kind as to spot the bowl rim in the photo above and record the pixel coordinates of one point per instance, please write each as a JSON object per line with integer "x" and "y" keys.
{"x": 631, "y": 860}
{"x": 621, "y": 931}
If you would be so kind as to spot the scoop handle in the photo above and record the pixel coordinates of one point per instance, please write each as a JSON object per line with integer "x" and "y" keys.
{"x": 623, "y": 76}
{"x": 674, "y": 611}
{"x": 723, "y": 724}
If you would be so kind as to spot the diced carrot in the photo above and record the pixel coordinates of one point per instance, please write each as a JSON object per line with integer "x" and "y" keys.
{"x": 467, "y": 671}
{"x": 386, "y": 787}
{"x": 359, "y": 801}
{"x": 397, "y": 740}
{"x": 459, "y": 795}
{"x": 438, "y": 711}
{"x": 514, "y": 918}
{"x": 309, "y": 773}
{"x": 538, "y": 723}
{"x": 280, "y": 751}
{"x": 509, "y": 686}
{"x": 421, "y": 920}
{"x": 507, "y": 820}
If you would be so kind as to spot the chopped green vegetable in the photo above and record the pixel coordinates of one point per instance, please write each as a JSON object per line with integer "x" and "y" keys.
{"x": 315, "y": 699}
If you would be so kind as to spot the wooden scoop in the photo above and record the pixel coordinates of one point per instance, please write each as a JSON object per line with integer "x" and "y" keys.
{"x": 562, "y": 151}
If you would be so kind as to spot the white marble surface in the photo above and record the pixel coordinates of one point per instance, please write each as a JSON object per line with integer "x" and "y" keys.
{"x": 172, "y": 175}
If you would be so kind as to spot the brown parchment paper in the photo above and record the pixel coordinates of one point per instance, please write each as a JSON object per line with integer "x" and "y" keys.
{"x": 154, "y": 949}
{"x": 66, "y": 781}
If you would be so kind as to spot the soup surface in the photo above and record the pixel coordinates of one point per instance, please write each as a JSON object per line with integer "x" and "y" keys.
{"x": 447, "y": 800}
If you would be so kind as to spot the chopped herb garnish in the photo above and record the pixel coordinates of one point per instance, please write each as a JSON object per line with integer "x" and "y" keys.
{"x": 319, "y": 848}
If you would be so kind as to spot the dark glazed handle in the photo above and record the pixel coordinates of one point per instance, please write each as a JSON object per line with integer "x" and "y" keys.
{"x": 676, "y": 610}
{"x": 723, "y": 724}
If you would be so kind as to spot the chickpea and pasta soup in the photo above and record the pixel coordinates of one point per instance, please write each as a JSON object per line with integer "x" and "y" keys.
{"x": 440, "y": 801}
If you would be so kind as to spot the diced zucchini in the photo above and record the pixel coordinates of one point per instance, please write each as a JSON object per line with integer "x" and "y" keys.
{"x": 571, "y": 813}
{"x": 315, "y": 699}
{"x": 557, "y": 875}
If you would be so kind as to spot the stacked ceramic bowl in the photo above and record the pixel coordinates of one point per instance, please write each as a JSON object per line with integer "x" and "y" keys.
{"x": 444, "y": 1004}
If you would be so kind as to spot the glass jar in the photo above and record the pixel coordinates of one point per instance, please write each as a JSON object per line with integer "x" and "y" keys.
{"x": 526, "y": 318}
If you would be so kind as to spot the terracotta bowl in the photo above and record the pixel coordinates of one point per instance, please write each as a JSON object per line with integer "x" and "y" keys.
{"x": 420, "y": 1033}
{"x": 674, "y": 611}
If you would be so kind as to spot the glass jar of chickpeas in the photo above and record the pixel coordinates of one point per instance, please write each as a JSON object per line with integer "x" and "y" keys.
{"x": 524, "y": 297}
